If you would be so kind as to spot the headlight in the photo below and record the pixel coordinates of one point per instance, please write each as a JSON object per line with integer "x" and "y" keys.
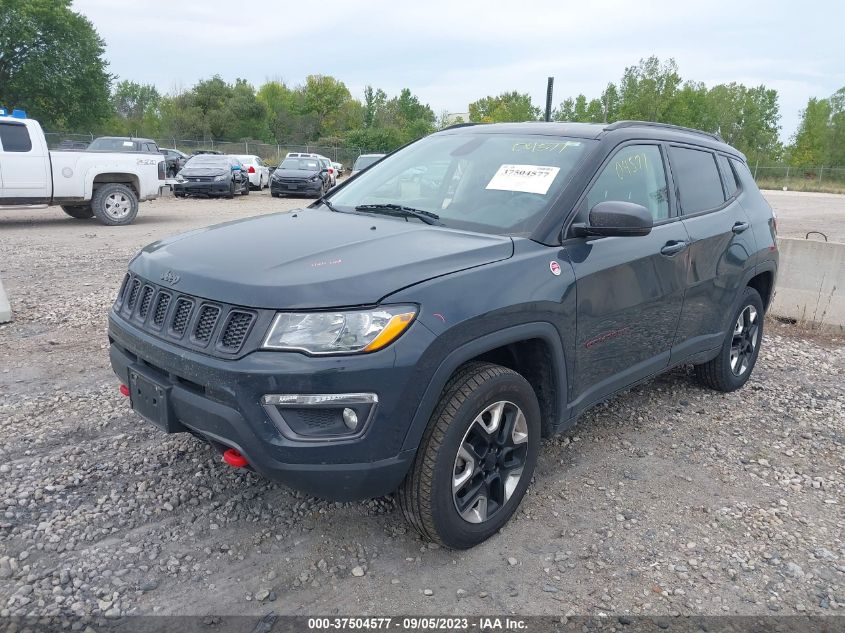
{"x": 220, "y": 177}
{"x": 315, "y": 178}
{"x": 339, "y": 332}
{"x": 180, "y": 178}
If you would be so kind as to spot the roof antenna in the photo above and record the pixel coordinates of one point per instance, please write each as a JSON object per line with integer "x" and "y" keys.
{"x": 549, "y": 90}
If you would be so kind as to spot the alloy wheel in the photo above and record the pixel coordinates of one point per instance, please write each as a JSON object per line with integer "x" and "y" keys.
{"x": 744, "y": 343}
{"x": 117, "y": 206}
{"x": 490, "y": 461}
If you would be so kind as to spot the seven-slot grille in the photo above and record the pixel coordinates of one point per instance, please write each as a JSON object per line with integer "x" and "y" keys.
{"x": 184, "y": 319}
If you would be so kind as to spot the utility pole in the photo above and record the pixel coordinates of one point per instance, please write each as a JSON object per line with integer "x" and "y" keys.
{"x": 549, "y": 90}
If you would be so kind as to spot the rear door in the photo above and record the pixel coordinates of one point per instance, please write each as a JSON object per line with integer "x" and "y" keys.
{"x": 720, "y": 245}
{"x": 23, "y": 163}
{"x": 629, "y": 289}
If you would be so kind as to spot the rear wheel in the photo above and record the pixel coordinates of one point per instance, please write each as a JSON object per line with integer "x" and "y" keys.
{"x": 114, "y": 204}
{"x": 731, "y": 369}
{"x": 476, "y": 458}
{"x": 80, "y": 212}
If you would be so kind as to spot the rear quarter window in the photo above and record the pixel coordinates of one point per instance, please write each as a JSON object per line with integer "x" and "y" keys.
{"x": 14, "y": 137}
{"x": 731, "y": 182}
{"x": 697, "y": 179}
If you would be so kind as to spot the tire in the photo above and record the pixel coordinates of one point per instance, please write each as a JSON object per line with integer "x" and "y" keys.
{"x": 114, "y": 204}
{"x": 731, "y": 369}
{"x": 431, "y": 493}
{"x": 246, "y": 188}
{"x": 80, "y": 212}
{"x": 231, "y": 193}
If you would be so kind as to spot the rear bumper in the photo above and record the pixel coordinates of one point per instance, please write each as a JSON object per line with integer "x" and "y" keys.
{"x": 220, "y": 400}
{"x": 202, "y": 188}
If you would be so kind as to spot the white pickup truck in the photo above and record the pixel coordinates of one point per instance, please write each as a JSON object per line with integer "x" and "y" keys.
{"x": 105, "y": 185}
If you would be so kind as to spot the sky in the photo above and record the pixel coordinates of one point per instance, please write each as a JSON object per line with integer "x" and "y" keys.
{"x": 452, "y": 53}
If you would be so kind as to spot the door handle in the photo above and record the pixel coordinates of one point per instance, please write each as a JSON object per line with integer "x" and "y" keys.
{"x": 673, "y": 248}
{"x": 739, "y": 227}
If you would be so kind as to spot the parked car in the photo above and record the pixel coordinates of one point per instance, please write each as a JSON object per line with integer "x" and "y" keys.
{"x": 364, "y": 161}
{"x": 123, "y": 144}
{"x": 554, "y": 265}
{"x": 300, "y": 176}
{"x": 327, "y": 165}
{"x": 105, "y": 185}
{"x": 175, "y": 161}
{"x": 72, "y": 145}
{"x": 214, "y": 152}
{"x": 259, "y": 173}
{"x": 301, "y": 155}
{"x": 212, "y": 175}
{"x": 338, "y": 168}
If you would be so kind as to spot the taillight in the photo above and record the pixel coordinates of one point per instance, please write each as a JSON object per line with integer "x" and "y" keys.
{"x": 162, "y": 171}
{"x": 251, "y": 169}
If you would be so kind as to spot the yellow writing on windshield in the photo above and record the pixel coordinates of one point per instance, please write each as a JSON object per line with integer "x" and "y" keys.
{"x": 534, "y": 146}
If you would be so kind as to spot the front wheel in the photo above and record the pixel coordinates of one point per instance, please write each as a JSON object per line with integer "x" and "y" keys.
{"x": 476, "y": 457}
{"x": 114, "y": 204}
{"x": 731, "y": 369}
{"x": 80, "y": 212}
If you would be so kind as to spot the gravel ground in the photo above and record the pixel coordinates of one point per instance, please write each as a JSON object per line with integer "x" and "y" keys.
{"x": 668, "y": 499}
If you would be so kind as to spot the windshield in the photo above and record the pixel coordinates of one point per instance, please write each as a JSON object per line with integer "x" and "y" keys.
{"x": 208, "y": 160}
{"x": 493, "y": 183}
{"x": 112, "y": 145}
{"x": 306, "y": 164}
{"x": 362, "y": 162}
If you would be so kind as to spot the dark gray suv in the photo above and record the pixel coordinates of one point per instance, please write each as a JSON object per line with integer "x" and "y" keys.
{"x": 425, "y": 324}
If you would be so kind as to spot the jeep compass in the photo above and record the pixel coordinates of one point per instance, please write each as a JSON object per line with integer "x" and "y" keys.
{"x": 419, "y": 329}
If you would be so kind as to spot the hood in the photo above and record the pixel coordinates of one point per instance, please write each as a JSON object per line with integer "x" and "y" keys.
{"x": 313, "y": 258}
{"x": 294, "y": 173}
{"x": 193, "y": 172}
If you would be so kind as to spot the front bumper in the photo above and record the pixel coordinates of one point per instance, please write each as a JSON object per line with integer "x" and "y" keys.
{"x": 211, "y": 188}
{"x": 221, "y": 400}
{"x": 310, "y": 188}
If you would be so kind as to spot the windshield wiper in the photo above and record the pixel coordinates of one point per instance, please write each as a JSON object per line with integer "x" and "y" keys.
{"x": 400, "y": 211}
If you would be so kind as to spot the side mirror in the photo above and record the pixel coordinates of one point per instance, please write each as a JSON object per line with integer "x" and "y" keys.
{"x": 616, "y": 218}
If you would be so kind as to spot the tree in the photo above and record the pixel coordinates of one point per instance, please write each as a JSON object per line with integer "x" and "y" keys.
{"x": 51, "y": 64}
{"x": 374, "y": 101}
{"x": 508, "y": 106}
{"x": 324, "y": 97}
{"x": 647, "y": 90}
{"x": 136, "y": 108}
{"x": 811, "y": 146}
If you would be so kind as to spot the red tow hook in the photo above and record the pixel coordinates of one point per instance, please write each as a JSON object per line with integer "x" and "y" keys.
{"x": 234, "y": 458}
{"x": 124, "y": 390}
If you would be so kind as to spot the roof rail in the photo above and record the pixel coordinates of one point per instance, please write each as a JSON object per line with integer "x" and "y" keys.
{"x": 620, "y": 124}
{"x": 457, "y": 125}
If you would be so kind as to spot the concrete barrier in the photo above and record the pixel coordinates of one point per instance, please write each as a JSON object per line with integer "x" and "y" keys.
{"x": 811, "y": 282}
{"x": 5, "y": 308}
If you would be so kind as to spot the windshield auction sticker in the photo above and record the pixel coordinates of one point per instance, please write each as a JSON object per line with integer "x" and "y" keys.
{"x": 524, "y": 178}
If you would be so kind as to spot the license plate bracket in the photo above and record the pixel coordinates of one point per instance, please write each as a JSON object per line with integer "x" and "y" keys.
{"x": 151, "y": 400}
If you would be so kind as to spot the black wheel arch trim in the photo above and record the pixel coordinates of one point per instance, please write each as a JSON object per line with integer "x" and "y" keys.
{"x": 474, "y": 348}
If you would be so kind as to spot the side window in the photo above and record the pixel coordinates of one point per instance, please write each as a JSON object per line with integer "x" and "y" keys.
{"x": 697, "y": 179}
{"x": 14, "y": 137}
{"x": 731, "y": 184}
{"x": 743, "y": 173}
{"x": 634, "y": 174}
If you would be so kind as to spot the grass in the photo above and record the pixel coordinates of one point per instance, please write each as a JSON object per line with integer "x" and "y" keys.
{"x": 801, "y": 185}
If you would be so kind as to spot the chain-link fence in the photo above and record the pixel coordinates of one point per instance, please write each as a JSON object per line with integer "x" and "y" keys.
{"x": 270, "y": 153}
{"x": 830, "y": 179}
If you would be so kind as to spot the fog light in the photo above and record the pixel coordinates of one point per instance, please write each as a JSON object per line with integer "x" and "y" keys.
{"x": 350, "y": 419}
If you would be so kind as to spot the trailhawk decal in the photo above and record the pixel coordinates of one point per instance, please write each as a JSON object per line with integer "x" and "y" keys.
{"x": 524, "y": 178}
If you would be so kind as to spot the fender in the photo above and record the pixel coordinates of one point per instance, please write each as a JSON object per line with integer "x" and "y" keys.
{"x": 466, "y": 352}
{"x": 120, "y": 175}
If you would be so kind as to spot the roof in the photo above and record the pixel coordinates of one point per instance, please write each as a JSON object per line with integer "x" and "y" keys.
{"x": 620, "y": 129}
{"x": 127, "y": 138}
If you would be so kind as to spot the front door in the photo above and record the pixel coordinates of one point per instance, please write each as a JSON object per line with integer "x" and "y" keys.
{"x": 630, "y": 290}
{"x": 23, "y": 162}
